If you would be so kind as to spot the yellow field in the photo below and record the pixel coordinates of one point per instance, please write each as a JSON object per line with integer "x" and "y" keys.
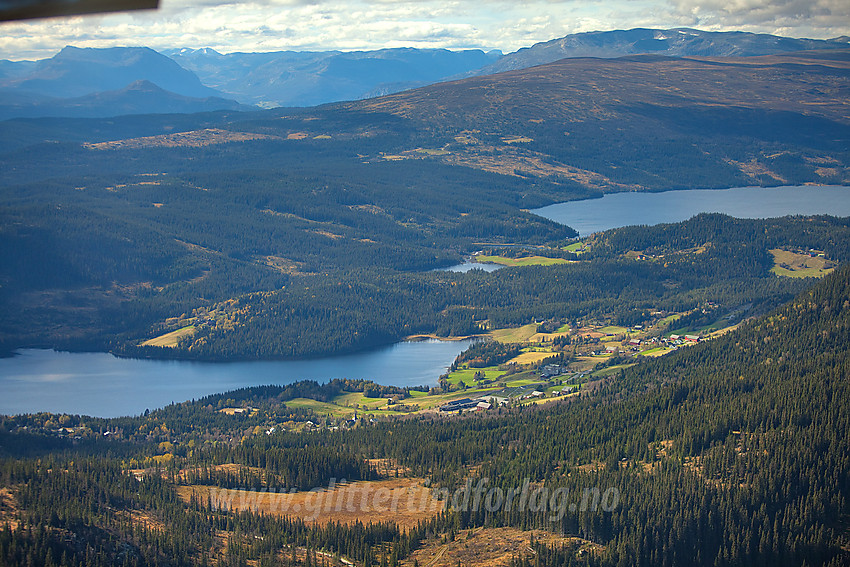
{"x": 655, "y": 352}
{"x": 171, "y": 339}
{"x": 405, "y": 500}
{"x": 613, "y": 330}
{"x": 723, "y": 331}
{"x": 531, "y": 357}
{"x": 515, "y": 335}
{"x": 489, "y": 547}
{"x": 795, "y": 265}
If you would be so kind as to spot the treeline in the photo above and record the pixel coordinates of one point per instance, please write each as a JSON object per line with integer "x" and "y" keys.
{"x": 91, "y": 512}
{"x": 729, "y": 452}
{"x": 736, "y": 446}
{"x": 294, "y": 246}
{"x": 150, "y": 237}
{"x": 272, "y": 465}
{"x": 305, "y": 389}
{"x": 486, "y": 353}
{"x": 711, "y": 259}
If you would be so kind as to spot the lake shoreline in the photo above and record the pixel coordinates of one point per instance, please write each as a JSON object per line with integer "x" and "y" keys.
{"x": 103, "y": 385}
{"x": 632, "y": 208}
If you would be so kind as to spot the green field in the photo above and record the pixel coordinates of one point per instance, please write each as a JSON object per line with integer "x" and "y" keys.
{"x": 798, "y": 265}
{"x": 521, "y": 383}
{"x": 515, "y": 334}
{"x": 669, "y": 319}
{"x": 613, "y": 330}
{"x": 800, "y": 272}
{"x": 171, "y": 339}
{"x": 610, "y": 370}
{"x": 322, "y": 408}
{"x": 467, "y": 375}
{"x": 575, "y": 247}
{"x": 527, "y": 261}
{"x": 659, "y": 351}
{"x": 354, "y": 399}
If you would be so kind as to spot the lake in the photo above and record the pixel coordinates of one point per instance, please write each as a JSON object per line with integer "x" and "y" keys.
{"x": 467, "y": 266}
{"x": 103, "y": 385}
{"x": 624, "y": 209}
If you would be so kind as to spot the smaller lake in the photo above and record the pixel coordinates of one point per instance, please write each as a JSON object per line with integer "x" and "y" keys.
{"x": 625, "y": 209}
{"x": 103, "y": 385}
{"x": 467, "y": 266}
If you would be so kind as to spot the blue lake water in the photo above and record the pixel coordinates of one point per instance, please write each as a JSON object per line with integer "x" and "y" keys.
{"x": 100, "y": 384}
{"x": 467, "y": 266}
{"x": 625, "y": 209}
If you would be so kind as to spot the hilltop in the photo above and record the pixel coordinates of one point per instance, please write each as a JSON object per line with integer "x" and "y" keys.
{"x": 306, "y": 78}
{"x": 116, "y": 230}
{"x": 737, "y": 445}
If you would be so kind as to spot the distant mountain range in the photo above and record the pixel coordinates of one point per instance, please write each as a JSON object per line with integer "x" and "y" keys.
{"x": 289, "y": 78}
{"x": 106, "y": 82}
{"x": 140, "y": 97}
{"x": 77, "y": 72}
{"x": 677, "y": 42}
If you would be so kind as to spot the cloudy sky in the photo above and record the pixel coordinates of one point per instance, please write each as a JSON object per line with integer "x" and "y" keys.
{"x": 271, "y": 25}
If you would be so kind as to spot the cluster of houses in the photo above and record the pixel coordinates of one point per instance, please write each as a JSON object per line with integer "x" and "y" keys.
{"x": 206, "y": 322}
{"x": 678, "y": 340}
{"x": 501, "y": 398}
{"x": 477, "y": 404}
{"x": 634, "y": 345}
{"x": 552, "y": 370}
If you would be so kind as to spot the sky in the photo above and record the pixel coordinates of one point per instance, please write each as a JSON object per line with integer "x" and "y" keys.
{"x": 349, "y": 25}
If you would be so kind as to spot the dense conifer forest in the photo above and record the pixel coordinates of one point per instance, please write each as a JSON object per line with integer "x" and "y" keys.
{"x": 116, "y": 231}
{"x": 311, "y": 232}
{"x": 733, "y": 451}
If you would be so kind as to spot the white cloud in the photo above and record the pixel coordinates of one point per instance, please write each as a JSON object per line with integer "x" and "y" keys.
{"x": 797, "y": 18}
{"x": 267, "y": 25}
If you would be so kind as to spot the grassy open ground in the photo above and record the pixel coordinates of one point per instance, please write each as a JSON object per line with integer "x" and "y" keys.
{"x": 532, "y": 357}
{"x": 467, "y": 375}
{"x": 655, "y": 352}
{"x": 797, "y": 265}
{"x": 171, "y": 339}
{"x": 489, "y": 547}
{"x": 515, "y": 335}
{"x": 8, "y": 508}
{"x": 527, "y": 261}
{"x": 323, "y": 408}
{"x": 611, "y": 370}
{"x": 407, "y": 500}
{"x": 613, "y": 330}
{"x": 495, "y": 379}
{"x": 575, "y": 247}
{"x": 667, "y": 320}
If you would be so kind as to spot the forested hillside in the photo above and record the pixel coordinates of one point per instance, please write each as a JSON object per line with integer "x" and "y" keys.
{"x": 729, "y": 452}
{"x": 115, "y": 232}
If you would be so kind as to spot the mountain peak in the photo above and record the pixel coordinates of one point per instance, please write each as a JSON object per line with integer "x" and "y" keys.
{"x": 674, "y": 42}
{"x": 76, "y": 71}
{"x": 143, "y": 86}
